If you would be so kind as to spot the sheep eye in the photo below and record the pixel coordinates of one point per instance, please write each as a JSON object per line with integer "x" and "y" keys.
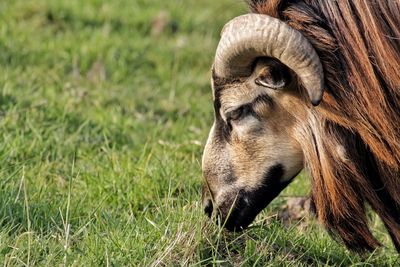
{"x": 238, "y": 113}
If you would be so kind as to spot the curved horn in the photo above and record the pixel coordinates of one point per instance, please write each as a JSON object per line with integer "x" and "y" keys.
{"x": 247, "y": 37}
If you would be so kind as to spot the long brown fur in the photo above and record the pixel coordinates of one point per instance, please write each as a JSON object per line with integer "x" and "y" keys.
{"x": 358, "y": 42}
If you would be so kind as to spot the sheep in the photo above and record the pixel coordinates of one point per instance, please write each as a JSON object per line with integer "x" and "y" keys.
{"x": 315, "y": 85}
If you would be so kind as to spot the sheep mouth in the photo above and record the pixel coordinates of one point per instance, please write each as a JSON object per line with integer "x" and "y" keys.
{"x": 246, "y": 207}
{"x": 247, "y": 204}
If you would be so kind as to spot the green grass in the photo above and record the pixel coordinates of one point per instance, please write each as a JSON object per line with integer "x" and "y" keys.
{"x": 102, "y": 128}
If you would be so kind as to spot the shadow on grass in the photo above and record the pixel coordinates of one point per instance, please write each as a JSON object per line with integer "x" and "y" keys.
{"x": 17, "y": 217}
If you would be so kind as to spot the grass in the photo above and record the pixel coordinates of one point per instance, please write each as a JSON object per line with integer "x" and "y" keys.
{"x": 102, "y": 124}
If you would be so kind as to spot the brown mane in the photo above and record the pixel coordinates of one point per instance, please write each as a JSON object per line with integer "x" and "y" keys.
{"x": 352, "y": 142}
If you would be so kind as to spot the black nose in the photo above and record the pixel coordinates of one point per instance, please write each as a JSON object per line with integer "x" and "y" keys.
{"x": 208, "y": 207}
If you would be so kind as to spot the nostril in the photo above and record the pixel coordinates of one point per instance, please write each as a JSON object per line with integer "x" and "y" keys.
{"x": 208, "y": 207}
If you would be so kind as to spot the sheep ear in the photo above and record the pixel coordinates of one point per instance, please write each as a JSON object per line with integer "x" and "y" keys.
{"x": 272, "y": 74}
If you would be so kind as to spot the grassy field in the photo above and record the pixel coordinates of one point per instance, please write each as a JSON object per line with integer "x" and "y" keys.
{"x": 105, "y": 107}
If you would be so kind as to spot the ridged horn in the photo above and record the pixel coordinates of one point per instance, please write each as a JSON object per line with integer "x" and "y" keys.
{"x": 250, "y": 36}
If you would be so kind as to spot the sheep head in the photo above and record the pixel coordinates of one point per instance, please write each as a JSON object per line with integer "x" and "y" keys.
{"x": 262, "y": 71}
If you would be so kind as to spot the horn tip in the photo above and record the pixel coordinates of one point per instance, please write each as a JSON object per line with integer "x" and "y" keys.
{"x": 316, "y": 95}
{"x": 316, "y": 99}
{"x": 316, "y": 102}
